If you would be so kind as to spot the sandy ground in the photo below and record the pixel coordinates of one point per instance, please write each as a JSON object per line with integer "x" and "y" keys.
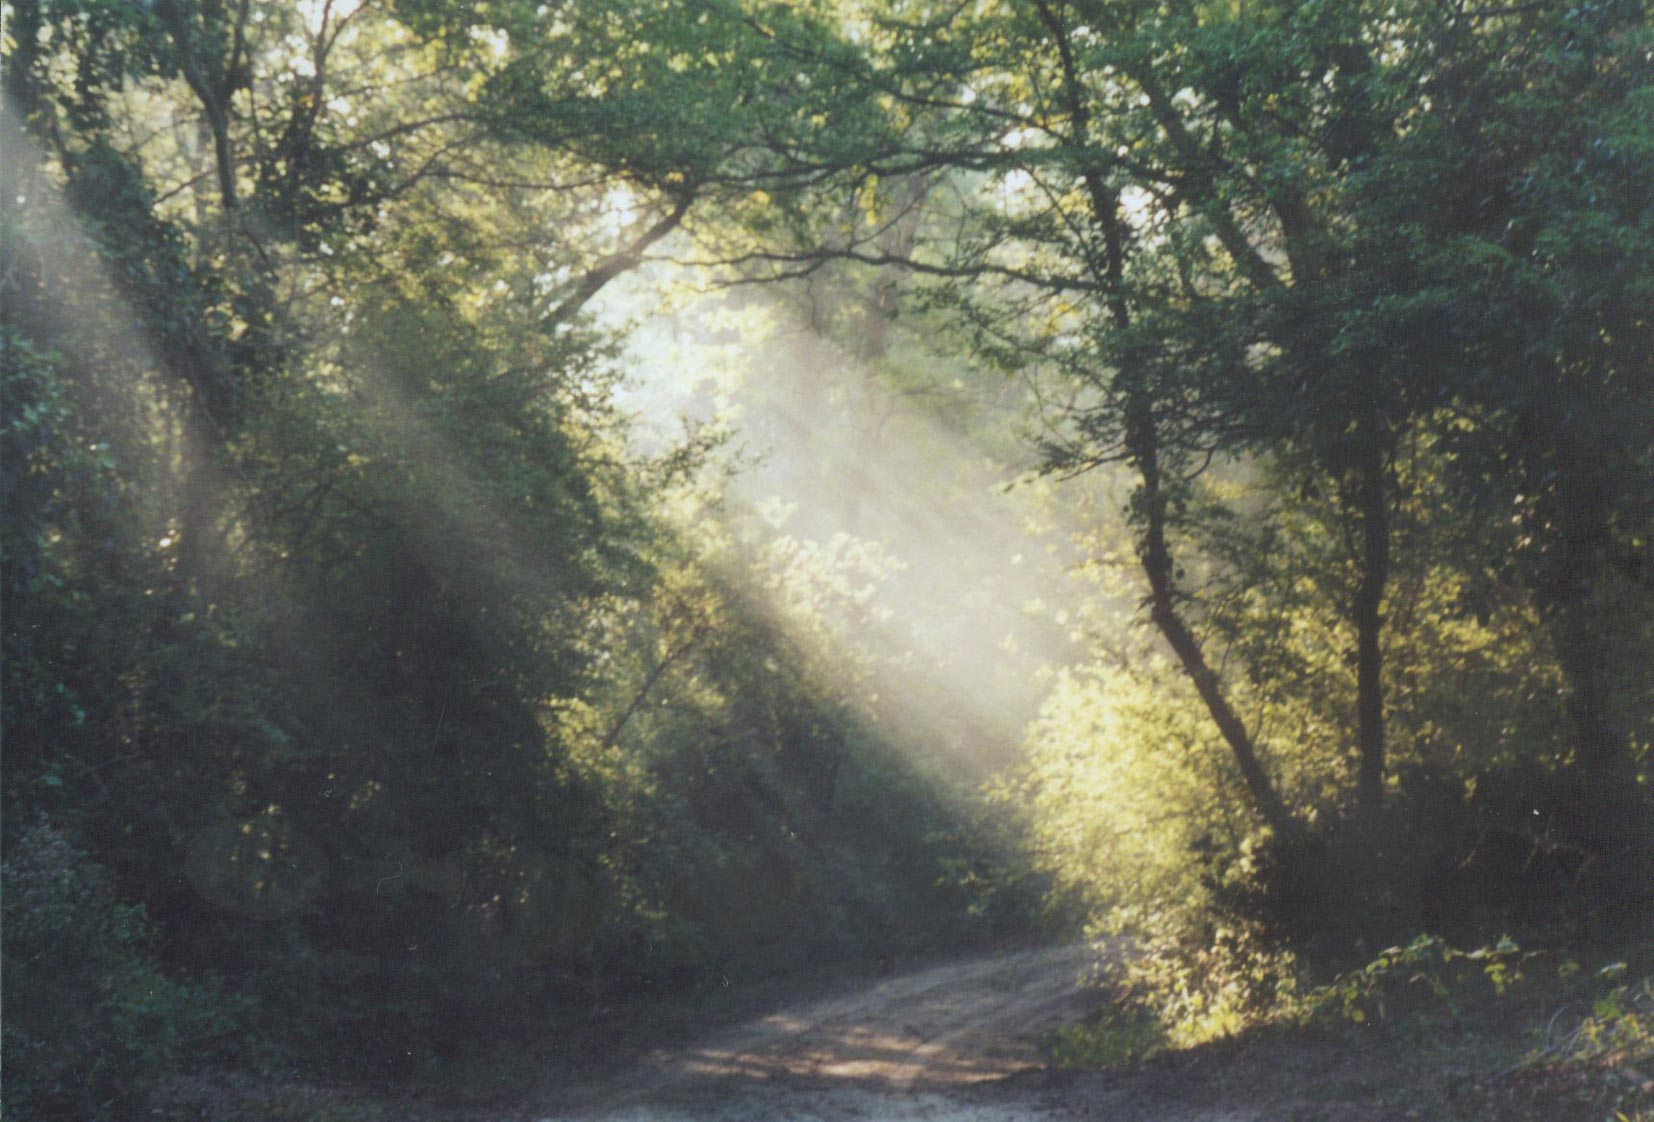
{"x": 943, "y": 1044}
{"x": 963, "y": 1042}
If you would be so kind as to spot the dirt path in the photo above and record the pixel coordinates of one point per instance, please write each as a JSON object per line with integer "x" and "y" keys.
{"x": 931, "y": 1045}
{"x": 957, "y": 1042}
{"x": 960, "y": 1042}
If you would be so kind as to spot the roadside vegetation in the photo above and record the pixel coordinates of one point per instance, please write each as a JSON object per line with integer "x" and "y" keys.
{"x": 1422, "y": 1031}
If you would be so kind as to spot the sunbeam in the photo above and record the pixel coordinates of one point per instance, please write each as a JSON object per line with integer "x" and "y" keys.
{"x": 630, "y": 559}
{"x": 905, "y": 491}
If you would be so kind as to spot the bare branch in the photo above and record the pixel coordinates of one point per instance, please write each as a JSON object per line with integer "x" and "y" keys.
{"x": 626, "y": 260}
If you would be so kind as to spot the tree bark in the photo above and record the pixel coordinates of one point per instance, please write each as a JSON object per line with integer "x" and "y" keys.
{"x": 212, "y": 96}
{"x": 1142, "y": 439}
{"x": 1373, "y": 505}
{"x": 1581, "y": 528}
{"x": 622, "y": 262}
{"x": 1155, "y": 557}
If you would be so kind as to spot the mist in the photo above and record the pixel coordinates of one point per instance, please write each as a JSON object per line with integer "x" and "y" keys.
{"x": 887, "y": 505}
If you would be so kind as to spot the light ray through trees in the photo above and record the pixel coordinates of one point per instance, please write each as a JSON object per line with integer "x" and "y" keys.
{"x": 896, "y": 531}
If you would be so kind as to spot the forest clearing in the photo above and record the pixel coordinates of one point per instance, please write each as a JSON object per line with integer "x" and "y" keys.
{"x": 640, "y": 559}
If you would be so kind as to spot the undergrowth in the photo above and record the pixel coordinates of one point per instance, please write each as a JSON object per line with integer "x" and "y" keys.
{"x": 1589, "y": 1030}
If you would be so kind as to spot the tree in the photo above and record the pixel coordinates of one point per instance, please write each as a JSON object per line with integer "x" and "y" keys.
{"x": 345, "y": 632}
{"x": 1227, "y": 223}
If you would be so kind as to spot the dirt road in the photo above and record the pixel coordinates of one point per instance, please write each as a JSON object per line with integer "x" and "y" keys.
{"x": 933, "y": 1045}
{"x": 955, "y": 1042}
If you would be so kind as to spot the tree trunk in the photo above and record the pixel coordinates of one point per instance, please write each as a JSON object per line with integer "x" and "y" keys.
{"x": 1575, "y": 632}
{"x": 1373, "y": 506}
{"x": 1577, "y": 629}
{"x": 1576, "y": 517}
{"x": 1142, "y": 440}
{"x": 1155, "y": 556}
{"x": 1605, "y": 799}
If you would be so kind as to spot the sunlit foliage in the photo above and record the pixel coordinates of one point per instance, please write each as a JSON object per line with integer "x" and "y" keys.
{"x": 358, "y": 631}
{"x": 347, "y": 633}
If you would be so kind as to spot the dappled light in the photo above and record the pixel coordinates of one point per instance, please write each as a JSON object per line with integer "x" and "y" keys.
{"x": 941, "y": 1036}
{"x": 641, "y": 560}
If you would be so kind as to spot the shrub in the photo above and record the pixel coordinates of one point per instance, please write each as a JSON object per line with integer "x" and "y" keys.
{"x": 91, "y": 1021}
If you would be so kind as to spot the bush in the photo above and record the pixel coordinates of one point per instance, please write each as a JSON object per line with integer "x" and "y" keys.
{"x": 91, "y": 1021}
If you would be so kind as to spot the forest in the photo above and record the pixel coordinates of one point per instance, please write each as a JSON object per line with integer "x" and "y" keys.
{"x": 517, "y": 511}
